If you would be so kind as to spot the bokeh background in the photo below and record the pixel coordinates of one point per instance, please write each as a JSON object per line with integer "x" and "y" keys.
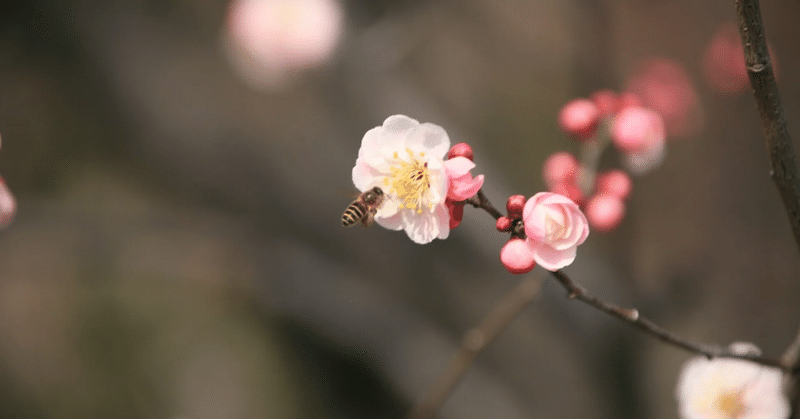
{"x": 177, "y": 250}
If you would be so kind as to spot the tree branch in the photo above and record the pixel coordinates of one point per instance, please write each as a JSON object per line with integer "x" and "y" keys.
{"x": 631, "y": 316}
{"x": 781, "y": 152}
{"x": 773, "y": 117}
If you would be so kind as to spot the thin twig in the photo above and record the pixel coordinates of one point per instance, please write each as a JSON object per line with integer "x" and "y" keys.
{"x": 631, "y": 316}
{"x": 781, "y": 152}
{"x": 479, "y": 200}
{"x": 475, "y": 341}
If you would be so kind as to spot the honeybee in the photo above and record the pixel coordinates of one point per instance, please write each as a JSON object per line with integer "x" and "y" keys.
{"x": 363, "y": 208}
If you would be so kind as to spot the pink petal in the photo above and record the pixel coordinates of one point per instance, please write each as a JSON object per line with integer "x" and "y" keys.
{"x": 464, "y": 187}
{"x": 458, "y": 166}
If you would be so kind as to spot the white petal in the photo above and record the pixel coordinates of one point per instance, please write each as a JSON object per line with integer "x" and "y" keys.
{"x": 431, "y": 139}
{"x": 443, "y": 217}
{"x": 365, "y": 176}
{"x": 395, "y": 222}
{"x": 421, "y": 228}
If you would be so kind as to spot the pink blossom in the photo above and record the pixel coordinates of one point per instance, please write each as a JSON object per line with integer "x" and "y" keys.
{"x": 640, "y": 134}
{"x": 271, "y": 39}
{"x": 664, "y": 86}
{"x": 605, "y": 212}
{"x": 555, "y": 227}
{"x": 579, "y": 118}
{"x": 462, "y": 184}
{"x": 516, "y": 257}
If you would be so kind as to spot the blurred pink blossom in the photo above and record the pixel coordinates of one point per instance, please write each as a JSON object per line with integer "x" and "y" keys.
{"x": 614, "y": 182}
{"x": 269, "y": 40}
{"x": 605, "y": 212}
{"x": 640, "y": 135}
{"x": 663, "y": 85}
{"x": 723, "y": 61}
{"x": 561, "y": 167}
{"x": 555, "y": 227}
{"x": 580, "y": 118}
{"x": 516, "y": 257}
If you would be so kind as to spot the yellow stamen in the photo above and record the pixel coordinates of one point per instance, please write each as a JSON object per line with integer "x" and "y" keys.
{"x": 731, "y": 404}
{"x": 410, "y": 180}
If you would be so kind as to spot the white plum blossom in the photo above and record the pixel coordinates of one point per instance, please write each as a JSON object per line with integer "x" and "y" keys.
{"x": 725, "y": 388}
{"x": 406, "y": 160}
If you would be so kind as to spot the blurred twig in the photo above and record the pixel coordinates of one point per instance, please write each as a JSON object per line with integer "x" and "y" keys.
{"x": 475, "y": 341}
{"x": 779, "y": 145}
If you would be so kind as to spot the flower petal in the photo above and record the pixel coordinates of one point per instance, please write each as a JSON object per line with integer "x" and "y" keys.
{"x": 464, "y": 187}
{"x": 393, "y": 222}
{"x": 552, "y": 259}
{"x": 430, "y": 139}
{"x": 458, "y": 166}
{"x": 365, "y": 176}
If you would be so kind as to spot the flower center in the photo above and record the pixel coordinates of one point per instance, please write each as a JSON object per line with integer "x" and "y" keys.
{"x": 410, "y": 180}
{"x": 555, "y": 228}
{"x": 731, "y": 404}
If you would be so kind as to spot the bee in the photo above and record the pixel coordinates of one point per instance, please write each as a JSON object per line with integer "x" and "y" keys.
{"x": 363, "y": 208}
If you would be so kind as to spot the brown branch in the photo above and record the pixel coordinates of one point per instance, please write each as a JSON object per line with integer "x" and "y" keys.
{"x": 781, "y": 152}
{"x": 773, "y": 117}
{"x": 479, "y": 200}
{"x": 475, "y": 341}
{"x": 631, "y": 316}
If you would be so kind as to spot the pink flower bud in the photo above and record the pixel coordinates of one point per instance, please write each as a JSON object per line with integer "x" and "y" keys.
{"x": 461, "y": 150}
{"x": 579, "y": 118}
{"x": 605, "y": 212}
{"x": 636, "y": 129}
{"x": 561, "y": 167}
{"x": 606, "y": 102}
{"x": 614, "y": 182}
{"x": 514, "y": 206}
{"x": 516, "y": 257}
{"x": 503, "y": 224}
{"x": 555, "y": 227}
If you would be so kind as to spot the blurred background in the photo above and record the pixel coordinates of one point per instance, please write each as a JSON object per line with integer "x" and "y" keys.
{"x": 181, "y": 167}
